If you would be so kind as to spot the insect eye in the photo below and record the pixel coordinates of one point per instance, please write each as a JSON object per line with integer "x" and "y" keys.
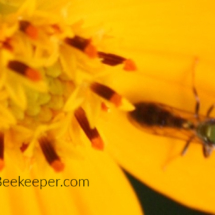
{"x": 207, "y": 132}
{"x": 211, "y": 133}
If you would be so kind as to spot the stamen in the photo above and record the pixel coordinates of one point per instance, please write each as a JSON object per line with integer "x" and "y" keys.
{"x": 6, "y": 44}
{"x": 114, "y": 60}
{"x": 91, "y": 51}
{"x": 23, "y": 147}
{"x": 106, "y": 93}
{"x": 50, "y": 154}
{"x": 129, "y": 65}
{"x": 104, "y": 107}
{"x": 83, "y": 45}
{"x": 112, "y": 96}
{"x": 1, "y": 151}
{"x": 56, "y": 28}
{"x": 24, "y": 70}
{"x": 28, "y": 29}
{"x": 92, "y": 134}
{"x": 111, "y": 59}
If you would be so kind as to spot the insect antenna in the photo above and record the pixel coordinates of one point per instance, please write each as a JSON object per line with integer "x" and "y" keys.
{"x": 197, "y": 107}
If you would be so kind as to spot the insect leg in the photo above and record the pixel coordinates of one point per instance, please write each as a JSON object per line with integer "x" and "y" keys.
{"x": 210, "y": 109}
{"x": 187, "y": 145}
{"x": 182, "y": 153}
{"x": 207, "y": 150}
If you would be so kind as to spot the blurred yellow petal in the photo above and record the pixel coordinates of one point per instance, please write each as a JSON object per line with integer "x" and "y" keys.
{"x": 108, "y": 191}
{"x": 168, "y": 38}
{"x": 37, "y": 47}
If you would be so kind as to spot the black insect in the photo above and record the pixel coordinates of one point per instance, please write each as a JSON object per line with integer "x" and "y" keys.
{"x": 161, "y": 119}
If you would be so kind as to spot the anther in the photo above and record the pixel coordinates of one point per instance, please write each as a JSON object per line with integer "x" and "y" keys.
{"x": 56, "y": 28}
{"x": 23, "y": 147}
{"x": 28, "y": 29}
{"x": 92, "y": 133}
{"x": 106, "y": 93}
{"x": 50, "y": 154}
{"x": 111, "y": 59}
{"x": 83, "y": 45}
{"x": 114, "y": 60}
{"x": 24, "y": 70}
{"x": 6, "y": 44}
{"x": 104, "y": 107}
{"x": 1, "y": 151}
{"x": 129, "y": 65}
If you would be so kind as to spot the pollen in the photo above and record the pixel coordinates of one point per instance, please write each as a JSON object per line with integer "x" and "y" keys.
{"x": 51, "y": 83}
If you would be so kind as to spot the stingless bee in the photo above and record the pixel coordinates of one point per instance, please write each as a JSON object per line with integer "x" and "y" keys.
{"x": 161, "y": 119}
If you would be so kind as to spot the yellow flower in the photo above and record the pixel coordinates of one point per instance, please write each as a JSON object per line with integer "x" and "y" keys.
{"x": 53, "y": 88}
{"x": 163, "y": 37}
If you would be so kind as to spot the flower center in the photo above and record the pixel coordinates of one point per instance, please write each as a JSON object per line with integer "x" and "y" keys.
{"x": 50, "y": 77}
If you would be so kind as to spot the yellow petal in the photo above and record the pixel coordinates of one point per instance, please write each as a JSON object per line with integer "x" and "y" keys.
{"x": 108, "y": 192}
{"x": 164, "y": 38}
{"x": 154, "y": 159}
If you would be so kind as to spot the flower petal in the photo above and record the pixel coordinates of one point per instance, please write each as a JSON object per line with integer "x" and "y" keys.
{"x": 108, "y": 193}
{"x": 155, "y": 159}
{"x": 164, "y": 38}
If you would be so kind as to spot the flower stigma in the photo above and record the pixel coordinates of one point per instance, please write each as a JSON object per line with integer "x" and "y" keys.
{"x": 52, "y": 79}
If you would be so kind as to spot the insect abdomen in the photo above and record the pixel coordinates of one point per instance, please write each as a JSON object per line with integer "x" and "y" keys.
{"x": 152, "y": 114}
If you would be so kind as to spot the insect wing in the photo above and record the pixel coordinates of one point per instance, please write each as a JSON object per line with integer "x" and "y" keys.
{"x": 164, "y": 120}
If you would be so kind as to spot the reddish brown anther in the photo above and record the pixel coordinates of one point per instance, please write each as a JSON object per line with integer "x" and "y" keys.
{"x": 83, "y": 45}
{"x": 24, "y": 70}
{"x": 91, "y": 51}
{"x": 111, "y": 59}
{"x": 129, "y": 65}
{"x": 56, "y": 28}
{"x": 78, "y": 42}
{"x": 92, "y": 133}
{"x": 6, "y": 44}
{"x": 1, "y": 151}
{"x": 114, "y": 60}
{"x": 50, "y": 154}
{"x": 32, "y": 74}
{"x": 29, "y": 29}
{"x": 23, "y": 147}
{"x": 106, "y": 93}
{"x": 104, "y": 107}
